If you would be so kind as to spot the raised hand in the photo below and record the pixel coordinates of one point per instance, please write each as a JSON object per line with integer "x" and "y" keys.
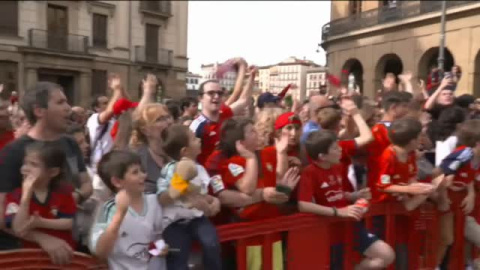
{"x": 150, "y": 84}
{"x": 291, "y": 178}
{"x": 114, "y": 82}
{"x": 281, "y": 145}
{"x": 349, "y": 107}
{"x": 30, "y": 179}
{"x": 122, "y": 201}
{"x": 406, "y": 77}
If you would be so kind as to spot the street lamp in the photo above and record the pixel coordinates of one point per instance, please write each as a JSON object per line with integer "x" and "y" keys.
{"x": 441, "y": 53}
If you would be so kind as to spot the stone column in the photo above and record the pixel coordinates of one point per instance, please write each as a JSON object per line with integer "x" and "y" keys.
{"x": 83, "y": 91}
{"x": 31, "y": 77}
{"x": 121, "y": 24}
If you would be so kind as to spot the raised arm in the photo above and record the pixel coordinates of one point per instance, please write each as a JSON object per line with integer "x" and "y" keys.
{"x": 433, "y": 98}
{"x": 149, "y": 86}
{"x": 239, "y": 105}
{"x": 238, "y": 88}
{"x": 114, "y": 83}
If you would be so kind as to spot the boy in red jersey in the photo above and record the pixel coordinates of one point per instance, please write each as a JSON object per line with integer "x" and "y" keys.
{"x": 394, "y": 104}
{"x": 397, "y": 180}
{"x": 321, "y": 192}
{"x": 461, "y": 168}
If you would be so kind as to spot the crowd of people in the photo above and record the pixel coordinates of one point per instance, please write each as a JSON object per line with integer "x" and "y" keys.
{"x": 137, "y": 184}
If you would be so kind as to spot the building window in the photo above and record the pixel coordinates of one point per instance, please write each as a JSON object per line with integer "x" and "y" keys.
{"x": 9, "y": 17}
{"x": 99, "y": 82}
{"x": 355, "y": 7}
{"x": 100, "y": 30}
{"x": 151, "y": 42}
{"x": 57, "y": 27}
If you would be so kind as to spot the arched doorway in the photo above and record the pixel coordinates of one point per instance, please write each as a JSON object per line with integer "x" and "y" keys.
{"x": 389, "y": 63}
{"x": 476, "y": 76}
{"x": 354, "y": 67}
{"x": 430, "y": 59}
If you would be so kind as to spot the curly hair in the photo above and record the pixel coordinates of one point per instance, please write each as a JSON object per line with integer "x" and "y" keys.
{"x": 264, "y": 125}
{"x": 146, "y": 116}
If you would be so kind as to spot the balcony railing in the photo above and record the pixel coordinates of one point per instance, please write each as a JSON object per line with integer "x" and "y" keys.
{"x": 157, "y": 57}
{"x": 43, "y": 39}
{"x": 402, "y": 10}
{"x": 159, "y": 7}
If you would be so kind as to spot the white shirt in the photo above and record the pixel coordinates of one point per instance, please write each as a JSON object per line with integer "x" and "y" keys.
{"x": 444, "y": 148}
{"x": 137, "y": 232}
{"x": 104, "y": 145}
{"x": 178, "y": 210}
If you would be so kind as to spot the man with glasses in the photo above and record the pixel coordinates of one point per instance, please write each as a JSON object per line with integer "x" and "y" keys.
{"x": 207, "y": 125}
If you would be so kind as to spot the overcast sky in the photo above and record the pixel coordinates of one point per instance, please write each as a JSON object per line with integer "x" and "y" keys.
{"x": 264, "y": 32}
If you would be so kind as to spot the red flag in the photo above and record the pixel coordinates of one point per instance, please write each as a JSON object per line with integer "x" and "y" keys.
{"x": 333, "y": 80}
{"x": 285, "y": 90}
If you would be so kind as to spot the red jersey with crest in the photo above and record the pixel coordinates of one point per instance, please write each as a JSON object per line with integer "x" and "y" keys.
{"x": 209, "y": 132}
{"x": 392, "y": 171}
{"x": 57, "y": 205}
{"x": 375, "y": 150}
{"x": 233, "y": 170}
{"x": 324, "y": 187}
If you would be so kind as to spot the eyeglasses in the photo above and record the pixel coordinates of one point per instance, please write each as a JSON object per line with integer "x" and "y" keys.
{"x": 213, "y": 93}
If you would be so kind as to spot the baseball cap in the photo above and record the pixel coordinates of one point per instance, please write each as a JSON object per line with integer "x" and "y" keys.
{"x": 287, "y": 119}
{"x": 266, "y": 97}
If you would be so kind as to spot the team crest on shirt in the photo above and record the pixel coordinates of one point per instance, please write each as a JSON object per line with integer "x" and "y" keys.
{"x": 54, "y": 211}
{"x": 464, "y": 174}
{"x": 324, "y": 185}
{"x": 216, "y": 183}
{"x": 12, "y": 208}
{"x": 269, "y": 167}
{"x": 385, "y": 179}
{"x": 212, "y": 133}
{"x": 235, "y": 169}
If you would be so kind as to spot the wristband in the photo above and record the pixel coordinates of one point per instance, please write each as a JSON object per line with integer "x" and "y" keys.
{"x": 283, "y": 189}
{"x": 335, "y": 213}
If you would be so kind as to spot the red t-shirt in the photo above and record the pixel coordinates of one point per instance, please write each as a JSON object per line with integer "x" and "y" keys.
{"x": 393, "y": 172}
{"x": 57, "y": 205}
{"x": 324, "y": 187}
{"x": 375, "y": 150}
{"x": 476, "y": 211}
{"x": 209, "y": 132}
{"x": 5, "y": 138}
{"x": 233, "y": 170}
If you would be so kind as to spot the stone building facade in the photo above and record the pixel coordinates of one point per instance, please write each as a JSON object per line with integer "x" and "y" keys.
{"x": 371, "y": 38}
{"x": 77, "y": 43}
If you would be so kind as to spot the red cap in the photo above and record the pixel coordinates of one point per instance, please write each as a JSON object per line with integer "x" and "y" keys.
{"x": 287, "y": 119}
{"x": 122, "y": 105}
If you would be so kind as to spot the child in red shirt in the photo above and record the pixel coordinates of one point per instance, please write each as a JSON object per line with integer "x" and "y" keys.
{"x": 321, "y": 192}
{"x": 394, "y": 103}
{"x": 42, "y": 203}
{"x": 460, "y": 168}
